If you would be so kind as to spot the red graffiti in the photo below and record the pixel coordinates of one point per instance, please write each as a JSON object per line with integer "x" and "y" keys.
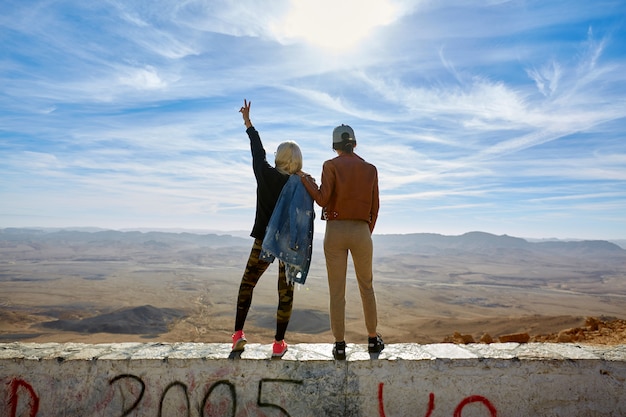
{"x": 381, "y": 406}
{"x": 14, "y": 397}
{"x": 431, "y": 404}
{"x": 474, "y": 399}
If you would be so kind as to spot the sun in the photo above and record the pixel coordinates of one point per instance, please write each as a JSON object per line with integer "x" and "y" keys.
{"x": 336, "y": 24}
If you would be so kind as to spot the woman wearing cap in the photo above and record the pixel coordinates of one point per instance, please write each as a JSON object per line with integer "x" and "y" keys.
{"x": 270, "y": 182}
{"x": 348, "y": 194}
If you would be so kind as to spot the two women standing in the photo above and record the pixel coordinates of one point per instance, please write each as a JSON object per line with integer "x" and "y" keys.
{"x": 348, "y": 195}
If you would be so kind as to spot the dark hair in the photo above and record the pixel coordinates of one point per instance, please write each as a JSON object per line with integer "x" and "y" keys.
{"x": 346, "y": 145}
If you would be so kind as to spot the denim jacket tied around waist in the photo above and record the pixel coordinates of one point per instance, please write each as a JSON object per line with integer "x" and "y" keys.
{"x": 289, "y": 234}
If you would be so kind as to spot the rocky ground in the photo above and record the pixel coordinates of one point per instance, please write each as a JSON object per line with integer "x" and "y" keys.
{"x": 598, "y": 331}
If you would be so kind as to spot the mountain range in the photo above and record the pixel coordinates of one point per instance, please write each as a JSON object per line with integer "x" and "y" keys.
{"x": 469, "y": 241}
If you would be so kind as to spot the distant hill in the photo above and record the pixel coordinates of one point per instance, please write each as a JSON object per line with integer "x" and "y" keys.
{"x": 486, "y": 243}
{"x": 117, "y": 246}
{"x": 134, "y": 237}
{"x": 145, "y": 319}
{"x": 620, "y": 242}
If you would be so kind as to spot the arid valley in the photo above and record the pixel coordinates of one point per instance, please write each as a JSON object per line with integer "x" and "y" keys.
{"x": 113, "y": 286}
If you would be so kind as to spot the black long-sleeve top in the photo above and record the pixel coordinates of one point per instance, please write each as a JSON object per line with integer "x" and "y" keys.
{"x": 270, "y": 183}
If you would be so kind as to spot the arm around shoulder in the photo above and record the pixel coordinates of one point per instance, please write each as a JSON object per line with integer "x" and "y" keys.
{"x": 309, "y": 183}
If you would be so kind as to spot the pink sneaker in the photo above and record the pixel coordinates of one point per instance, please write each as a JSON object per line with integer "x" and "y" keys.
{"x": 239, "y": 341}
{"x": 279, "y": 349}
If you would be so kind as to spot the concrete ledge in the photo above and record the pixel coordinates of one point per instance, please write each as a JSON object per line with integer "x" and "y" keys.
{"x": 192, "y": 379}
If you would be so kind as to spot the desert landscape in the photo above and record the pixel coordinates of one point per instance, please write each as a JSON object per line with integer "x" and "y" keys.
{"x": 112, "y": 286}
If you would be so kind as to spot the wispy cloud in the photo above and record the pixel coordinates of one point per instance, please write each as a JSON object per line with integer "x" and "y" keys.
{"x": 504, "y": 116}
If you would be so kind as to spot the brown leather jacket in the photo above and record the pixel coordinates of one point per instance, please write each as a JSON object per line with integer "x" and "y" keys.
{"x": 349, "y": 189}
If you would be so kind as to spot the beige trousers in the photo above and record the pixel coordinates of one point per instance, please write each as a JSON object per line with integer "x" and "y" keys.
{"x": 353, "y": 236}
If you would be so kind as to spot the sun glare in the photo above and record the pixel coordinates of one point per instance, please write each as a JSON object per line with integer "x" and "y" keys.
{"x": 336, "y": 24}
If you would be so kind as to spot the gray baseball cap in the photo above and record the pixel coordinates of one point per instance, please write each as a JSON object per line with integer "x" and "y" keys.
{"x": 343, "y": 134}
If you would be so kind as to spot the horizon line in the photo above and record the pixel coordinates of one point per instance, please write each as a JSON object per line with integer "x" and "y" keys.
{"x": 246, "y": 234}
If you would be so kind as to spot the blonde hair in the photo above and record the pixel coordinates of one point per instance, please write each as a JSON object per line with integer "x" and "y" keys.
{"x": 288, "y": 157}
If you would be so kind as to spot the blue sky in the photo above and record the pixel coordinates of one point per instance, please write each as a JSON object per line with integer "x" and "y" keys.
{"x": 507, "y": 117}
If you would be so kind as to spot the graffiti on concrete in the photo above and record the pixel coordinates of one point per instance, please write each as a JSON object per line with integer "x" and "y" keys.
{"x": 431, "y": 404}
{"x": 14, "y": 393}
{"x": 220, "y": 398}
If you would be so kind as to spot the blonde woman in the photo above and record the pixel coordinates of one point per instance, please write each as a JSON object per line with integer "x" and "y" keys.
{"x": 270, "y": 182}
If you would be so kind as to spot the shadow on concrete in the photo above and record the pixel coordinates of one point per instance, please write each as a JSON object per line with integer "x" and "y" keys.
{"x": 235, "y": 354}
